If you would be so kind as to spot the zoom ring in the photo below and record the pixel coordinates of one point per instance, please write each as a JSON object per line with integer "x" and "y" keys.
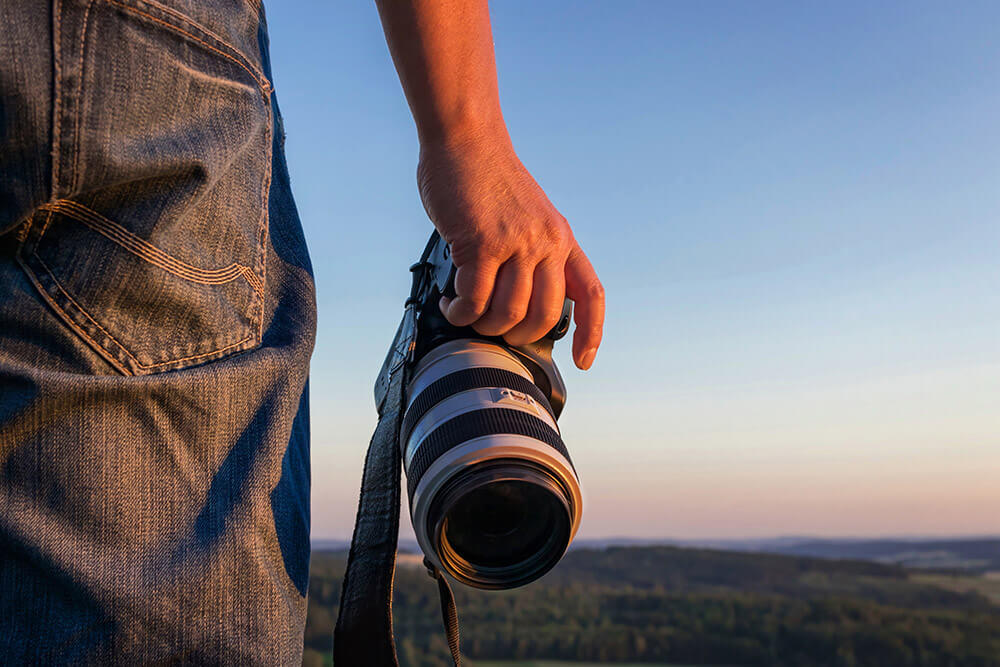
{"x": 475, "y": 424}
{"x": 470, "y": 378}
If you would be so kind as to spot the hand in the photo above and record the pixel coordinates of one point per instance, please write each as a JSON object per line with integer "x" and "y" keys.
{"x": 515, "y": 255}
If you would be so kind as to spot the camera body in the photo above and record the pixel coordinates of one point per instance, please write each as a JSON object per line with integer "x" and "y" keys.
{"x": 494, "y": 498}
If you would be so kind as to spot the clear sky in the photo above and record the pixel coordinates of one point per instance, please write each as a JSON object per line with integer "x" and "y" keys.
{"x": 794, "y": 208}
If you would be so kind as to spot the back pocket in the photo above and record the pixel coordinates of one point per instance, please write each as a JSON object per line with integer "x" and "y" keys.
{"x": 154, "y": 254}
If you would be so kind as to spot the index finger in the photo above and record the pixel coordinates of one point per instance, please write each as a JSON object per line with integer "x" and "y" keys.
{"x": 473, "y": 288}
{"x": 585, "y": 289}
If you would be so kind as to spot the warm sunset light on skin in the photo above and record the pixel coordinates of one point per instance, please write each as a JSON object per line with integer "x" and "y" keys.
{"x": 793, "y": 213}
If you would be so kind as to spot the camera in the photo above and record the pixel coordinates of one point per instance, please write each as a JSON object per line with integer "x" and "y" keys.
{"x": 494, "y": 498}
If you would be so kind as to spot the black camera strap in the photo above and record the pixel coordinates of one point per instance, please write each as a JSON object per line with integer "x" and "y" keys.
{"x": 363, "y": 635}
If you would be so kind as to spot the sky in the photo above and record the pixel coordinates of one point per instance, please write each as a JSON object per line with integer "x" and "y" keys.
{"x": 795, "y": 212}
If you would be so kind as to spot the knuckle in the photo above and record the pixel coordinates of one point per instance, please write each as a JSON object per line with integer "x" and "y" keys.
{"x": 512, "y": 312}
{"x": 480, "y": 253}
{"x": 559, "y": 232}
{"x": 553, "y": 238}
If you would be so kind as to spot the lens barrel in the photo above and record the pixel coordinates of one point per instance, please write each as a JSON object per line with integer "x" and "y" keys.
{"x": 494, "y": 498}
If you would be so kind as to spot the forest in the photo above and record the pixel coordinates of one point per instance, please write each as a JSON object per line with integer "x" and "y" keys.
{"x": 667, "y": 605}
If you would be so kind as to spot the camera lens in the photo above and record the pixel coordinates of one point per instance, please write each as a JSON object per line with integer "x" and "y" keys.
{"x": 501, "y": 522}
{"x": 494, "y": 498}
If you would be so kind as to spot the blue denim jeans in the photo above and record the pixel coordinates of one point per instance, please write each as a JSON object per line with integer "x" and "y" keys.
{"x": 157, "y": 316}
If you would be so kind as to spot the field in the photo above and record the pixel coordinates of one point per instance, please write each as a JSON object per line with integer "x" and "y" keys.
{"x": 669, "y": 606}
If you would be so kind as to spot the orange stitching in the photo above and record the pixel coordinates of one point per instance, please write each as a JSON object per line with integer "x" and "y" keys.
{"x": 45, "y": 226}
{"x": 265, "y": 197}
{"x": 251, "y": 278}
{"x": 116, "y": 341}
{"x": 149, "y": 252}
{"x": 197, "y": 26}
{"x": 264, "y": 86}
{"x": 144, "y": 249}
{"x": 69, "y": 321}
{"x": 83, "y": 310}
{"x": 79, "y": 99}
{"x": 198, "y": 356}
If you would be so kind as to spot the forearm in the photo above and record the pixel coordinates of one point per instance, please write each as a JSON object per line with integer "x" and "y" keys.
{"x": 515, "y": 255}
{"x": 443, "y": 52}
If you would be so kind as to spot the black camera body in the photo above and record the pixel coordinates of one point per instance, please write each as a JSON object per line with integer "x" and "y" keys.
{"x": 494, "y": 497}
{"x": 433, "y": 329}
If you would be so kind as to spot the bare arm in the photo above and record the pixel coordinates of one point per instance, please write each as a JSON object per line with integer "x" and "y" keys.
{"x": 516, "y": 255}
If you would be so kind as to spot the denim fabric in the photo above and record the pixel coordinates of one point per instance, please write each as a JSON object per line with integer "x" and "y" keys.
{"x": 157, "y": 315}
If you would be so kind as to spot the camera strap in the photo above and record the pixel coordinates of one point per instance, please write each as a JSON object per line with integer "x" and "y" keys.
{"x": 363, "y": 635}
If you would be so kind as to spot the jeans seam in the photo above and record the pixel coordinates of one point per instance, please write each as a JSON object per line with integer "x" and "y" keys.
{"x": 57, "y": 95}
{"x": 75, "y": 175}
{"x": 262, "y": 225}
{"x": 83, "y": 312}
{"x": 254, "y": 6}
{"x": 106, "y": 354}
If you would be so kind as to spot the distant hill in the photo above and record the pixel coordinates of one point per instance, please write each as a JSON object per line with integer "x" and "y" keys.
{"x": 970, "y": 554}
{"x": 974, "y": 554}
{"x": 659, "y": 604}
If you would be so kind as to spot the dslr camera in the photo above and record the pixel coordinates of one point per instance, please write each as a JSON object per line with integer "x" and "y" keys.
{"x": 494, "y": 498}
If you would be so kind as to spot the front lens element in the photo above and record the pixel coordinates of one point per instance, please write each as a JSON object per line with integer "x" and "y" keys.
{"x": 502, "y": 524}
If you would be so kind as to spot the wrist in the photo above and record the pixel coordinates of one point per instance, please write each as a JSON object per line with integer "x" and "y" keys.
{"x": 464, "y": 131}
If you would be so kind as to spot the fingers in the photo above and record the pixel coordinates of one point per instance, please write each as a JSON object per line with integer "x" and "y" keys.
{"x": 544, "y": 306}
{"x": 509, "y": 302}
{"x": 587, "y": 293}
{"x": 473, "y": 285}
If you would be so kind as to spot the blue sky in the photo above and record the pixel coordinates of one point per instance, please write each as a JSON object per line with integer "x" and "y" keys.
{"x": 794, "y": 208}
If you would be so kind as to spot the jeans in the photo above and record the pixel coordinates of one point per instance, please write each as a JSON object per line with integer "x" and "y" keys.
{"x": 157, "y": 315}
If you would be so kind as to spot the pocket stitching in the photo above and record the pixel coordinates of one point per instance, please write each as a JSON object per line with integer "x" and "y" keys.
{"x": 62, "y": 312}
{"x": 148, "y": 252}
{"x": 121, "y": 347}
{"x": 76, "y": 326}
{"x": 265, "y": 86}
{"x": 83, "y": 311}
{"x": 104, "y": 353}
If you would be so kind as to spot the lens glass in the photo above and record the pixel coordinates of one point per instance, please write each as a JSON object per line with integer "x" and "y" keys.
{"x": 504, "y": 523}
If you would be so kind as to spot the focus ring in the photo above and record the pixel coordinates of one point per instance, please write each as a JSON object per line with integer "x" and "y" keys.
{"x": 475, "y": 424}
{"x": 470, "y": 378}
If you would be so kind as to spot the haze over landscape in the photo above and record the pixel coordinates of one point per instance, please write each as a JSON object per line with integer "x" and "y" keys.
{"x": 794, "y": 210}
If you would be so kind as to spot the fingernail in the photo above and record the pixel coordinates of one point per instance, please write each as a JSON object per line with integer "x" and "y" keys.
{"x": 588, "y": 358}
{"x": 443, "y": 303}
